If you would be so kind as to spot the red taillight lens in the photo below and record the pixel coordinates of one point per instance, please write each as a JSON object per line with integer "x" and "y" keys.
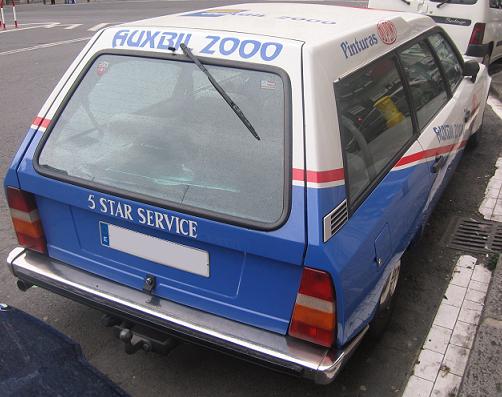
{"x": 25, "y": 219}
{"x": 314, "y": 315}
{"x": 478, "y": 33}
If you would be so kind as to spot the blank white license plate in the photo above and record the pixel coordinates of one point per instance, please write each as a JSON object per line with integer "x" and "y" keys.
{"x": 154, "y": 249}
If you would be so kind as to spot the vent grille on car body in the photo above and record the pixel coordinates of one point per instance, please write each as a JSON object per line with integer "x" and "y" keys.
{"x": 335, "y": 220}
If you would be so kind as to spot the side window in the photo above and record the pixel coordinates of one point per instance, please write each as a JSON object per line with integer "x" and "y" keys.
{"x": 375, "y": 122}
{"x": 495, "y": 4}
{"x": 427, "y": 86}
{"x": 448, "y": 59}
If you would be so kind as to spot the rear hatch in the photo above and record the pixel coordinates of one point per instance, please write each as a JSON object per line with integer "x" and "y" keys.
{"x": 145, "y": 172}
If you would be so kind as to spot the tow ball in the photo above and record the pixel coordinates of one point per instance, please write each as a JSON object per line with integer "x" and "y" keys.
{"x": 136, "y": 337}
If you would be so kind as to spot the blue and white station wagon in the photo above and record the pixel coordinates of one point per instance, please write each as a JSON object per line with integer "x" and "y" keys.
{"x": 245, "y": 178}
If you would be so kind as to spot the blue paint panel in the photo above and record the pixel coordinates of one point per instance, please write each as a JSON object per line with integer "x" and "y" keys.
{"x": 11, "y": 176}
{"x": 105, "y": 236}
{"x": 249, "y": 269}
{"x": 349, "y": 256}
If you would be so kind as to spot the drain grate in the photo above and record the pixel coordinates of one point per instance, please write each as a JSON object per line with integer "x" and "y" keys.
{"x": 477, "y": 236}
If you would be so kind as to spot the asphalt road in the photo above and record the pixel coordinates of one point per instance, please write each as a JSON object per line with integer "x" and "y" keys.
{"x": 27, "y": 75}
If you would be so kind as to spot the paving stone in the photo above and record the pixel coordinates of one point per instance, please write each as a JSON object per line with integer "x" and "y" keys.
{"x": 475, "y": 296}
{"x": 481, "y": 274}
{"x": 437, "y": 339}
{"x": 454, "y": 295}
{"x": 463, "y": 334}
{"x": 418, "y": 387}
{"x": 446, "y": 315}
{"x": 461, "y": 276}
{"x": 428, "y": 365}
{"x": 455, "y": 359}
{"x": 446, "y": 385}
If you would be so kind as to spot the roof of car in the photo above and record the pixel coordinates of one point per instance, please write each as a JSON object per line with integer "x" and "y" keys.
{"x": 310, "y": 23}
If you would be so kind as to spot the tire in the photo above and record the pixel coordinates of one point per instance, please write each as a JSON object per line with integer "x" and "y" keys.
{"x": 486, "y": 60}
{"x": 473, "y": 141}
{"x": 384, "y": 311}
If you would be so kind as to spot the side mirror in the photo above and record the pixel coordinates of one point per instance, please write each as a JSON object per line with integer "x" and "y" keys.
{"x": 471, "y": 69}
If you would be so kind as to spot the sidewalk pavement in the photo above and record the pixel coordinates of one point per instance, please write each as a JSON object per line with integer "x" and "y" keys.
{"x": 483, "y": 375}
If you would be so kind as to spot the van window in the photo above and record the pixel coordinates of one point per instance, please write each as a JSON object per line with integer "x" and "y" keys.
{"x": 468, "y": 2}
{"x": 375, "y": 122}
{"x": 448, "y": 59}
{"x": 427, "y": 86}
{"x": 495, "y": 4}
{"x": 158, "y": 129}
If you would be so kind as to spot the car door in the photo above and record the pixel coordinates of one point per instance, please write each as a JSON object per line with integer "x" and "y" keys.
{"x": 494, "y": 28}
{"x": 441, "y": 99}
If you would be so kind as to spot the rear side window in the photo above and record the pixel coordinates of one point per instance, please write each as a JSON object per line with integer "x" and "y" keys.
{"x": 375, "y": 122}
{"x": 426, "y": 84}
{"x": 448, "y": 59}
{"x": 156, "y": 128}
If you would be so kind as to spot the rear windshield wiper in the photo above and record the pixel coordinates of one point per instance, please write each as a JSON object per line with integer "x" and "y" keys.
{"x": 442, "y": 3}
{"x": 237, "y": 110}
{"x": 406, "y": 1}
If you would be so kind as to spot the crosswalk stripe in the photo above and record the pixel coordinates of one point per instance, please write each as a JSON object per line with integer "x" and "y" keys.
{"x": 37, "y": 47}
{"x": 98, "y": 26}
{"x": 75, "y": 25}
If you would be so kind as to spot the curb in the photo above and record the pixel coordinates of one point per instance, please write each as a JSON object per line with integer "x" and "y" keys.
{"x": 483, "y": 376}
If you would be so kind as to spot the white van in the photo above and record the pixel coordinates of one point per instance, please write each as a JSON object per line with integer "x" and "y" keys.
{"x": 245, "y": 177}
{"x": 474, "y": 25}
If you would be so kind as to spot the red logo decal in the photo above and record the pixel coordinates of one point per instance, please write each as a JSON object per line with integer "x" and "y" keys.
{"x": 102, "y": 68}
{"x": 387, "y": 32}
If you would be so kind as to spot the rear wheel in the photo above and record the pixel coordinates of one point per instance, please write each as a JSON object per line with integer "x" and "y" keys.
{"x": 473, "y": 141}
{"x": 386, "y": 304}
{"x": 486, "y": 60}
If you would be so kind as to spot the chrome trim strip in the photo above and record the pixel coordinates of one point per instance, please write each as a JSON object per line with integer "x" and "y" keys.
{"x": 310, "y": 361}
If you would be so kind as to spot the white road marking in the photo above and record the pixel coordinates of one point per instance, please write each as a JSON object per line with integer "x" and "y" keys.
{"x": 75, "y": 25}
{"x": 38, "y": 47}
{"x": 95, "y": 28}
{"x": 444, "y": 355}
{"x": 13, "y": 30}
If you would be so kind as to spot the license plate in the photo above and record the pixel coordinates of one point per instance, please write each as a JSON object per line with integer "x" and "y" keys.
{"x": 154, "y": 249}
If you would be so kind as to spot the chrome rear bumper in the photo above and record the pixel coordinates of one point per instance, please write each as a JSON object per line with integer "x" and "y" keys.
{"x": 263, "y": 347}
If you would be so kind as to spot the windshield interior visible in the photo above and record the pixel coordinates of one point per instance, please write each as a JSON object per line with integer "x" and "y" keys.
{"x": 158, "y": 128}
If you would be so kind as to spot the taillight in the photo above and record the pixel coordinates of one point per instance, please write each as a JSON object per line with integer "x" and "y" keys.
{"x": 26, "y": 220}
{"x": 314, "y": 315}
{"x": 478, "y": 33}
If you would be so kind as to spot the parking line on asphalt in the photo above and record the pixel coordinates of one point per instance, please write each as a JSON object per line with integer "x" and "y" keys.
{"x": 443, "y": 358}
{"x": 98, "y": 26}
{"x": 51, "y": 24}
{"x": 41, "y": 46}
{"x": 75, "y": 25}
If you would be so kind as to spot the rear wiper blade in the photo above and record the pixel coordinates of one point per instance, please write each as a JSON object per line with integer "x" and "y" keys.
{"x": 442, "y": 3}
{"x": 406, "y": 1}
{"x": 237, "y": 110}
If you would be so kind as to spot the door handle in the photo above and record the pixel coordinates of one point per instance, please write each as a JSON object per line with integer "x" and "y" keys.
{"x": 467, "y": 115}
{"x": 438, "y": 163}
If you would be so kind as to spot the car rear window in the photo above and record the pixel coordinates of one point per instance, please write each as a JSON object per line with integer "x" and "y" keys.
{"x": 158, "y": 129}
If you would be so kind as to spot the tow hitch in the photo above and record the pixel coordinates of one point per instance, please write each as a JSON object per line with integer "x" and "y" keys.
{"x": 136, "y": 337}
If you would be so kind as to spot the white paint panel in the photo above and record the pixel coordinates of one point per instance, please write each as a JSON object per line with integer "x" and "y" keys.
{"x": 156, "y": 250}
